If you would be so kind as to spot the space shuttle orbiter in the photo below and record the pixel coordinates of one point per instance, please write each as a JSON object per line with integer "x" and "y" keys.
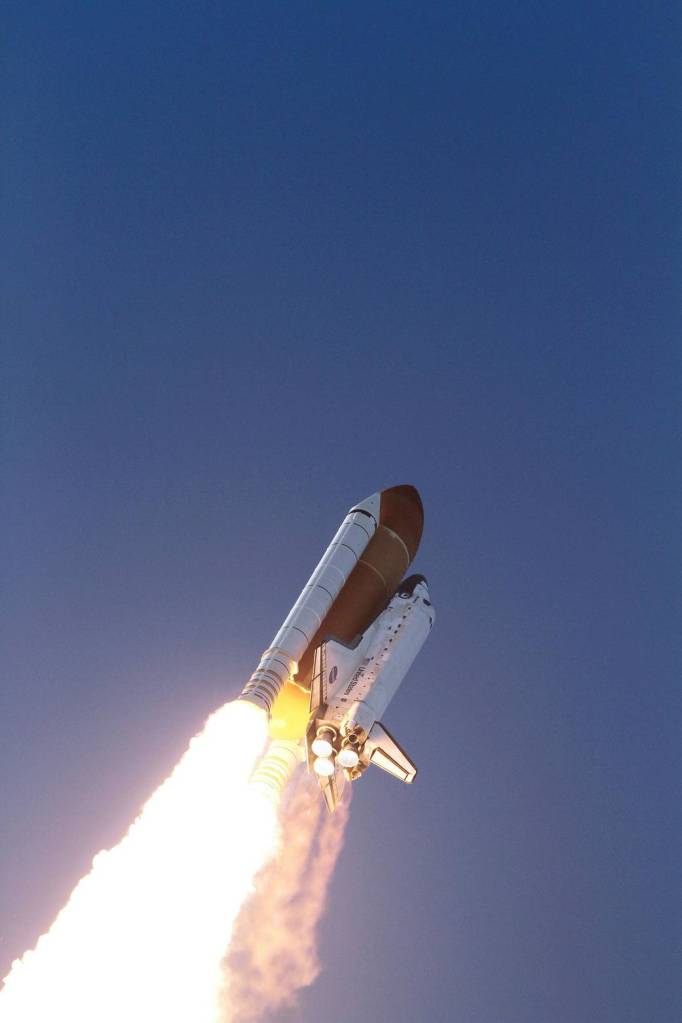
{"x": 347, "y": 644}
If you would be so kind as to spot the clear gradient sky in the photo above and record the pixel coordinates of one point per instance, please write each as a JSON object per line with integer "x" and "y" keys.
{"x": 261, "y": 261}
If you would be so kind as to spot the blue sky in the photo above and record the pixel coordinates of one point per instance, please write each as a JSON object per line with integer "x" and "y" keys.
{"x": 261, "y": 261}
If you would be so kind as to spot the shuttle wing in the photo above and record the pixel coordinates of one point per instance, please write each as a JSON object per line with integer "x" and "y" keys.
{"x": 384, "y": 752}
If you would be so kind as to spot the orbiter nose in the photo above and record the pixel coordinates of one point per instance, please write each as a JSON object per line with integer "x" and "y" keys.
{"x": 409, "y": 585}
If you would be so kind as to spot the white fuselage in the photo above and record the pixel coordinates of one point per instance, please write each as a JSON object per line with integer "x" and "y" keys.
{"x": 360, "y": 682}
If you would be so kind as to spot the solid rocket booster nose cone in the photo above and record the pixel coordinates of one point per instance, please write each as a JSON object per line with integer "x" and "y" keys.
{"x": 322, "y": 748}
{"x": 347, "y": 758}
{"x": 323, "y": 767}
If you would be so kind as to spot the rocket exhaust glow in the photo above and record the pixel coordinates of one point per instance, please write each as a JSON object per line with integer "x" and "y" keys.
{"x": 276, "y": 768}
{"x": 143, "y": 935}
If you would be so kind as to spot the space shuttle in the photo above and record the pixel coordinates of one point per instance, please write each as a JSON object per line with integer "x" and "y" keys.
{"x": 346, "y": 646}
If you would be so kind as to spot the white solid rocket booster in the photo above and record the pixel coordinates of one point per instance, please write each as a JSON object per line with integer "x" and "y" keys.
{"x": 279, "y": 662}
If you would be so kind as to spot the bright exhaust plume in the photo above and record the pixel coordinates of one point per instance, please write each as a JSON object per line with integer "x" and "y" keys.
{"x": 143, "y": 935}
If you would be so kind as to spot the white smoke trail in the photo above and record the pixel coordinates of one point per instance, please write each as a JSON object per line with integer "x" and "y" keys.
{"x": 273, "y": 953}
{"x": 142, "y": 936}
